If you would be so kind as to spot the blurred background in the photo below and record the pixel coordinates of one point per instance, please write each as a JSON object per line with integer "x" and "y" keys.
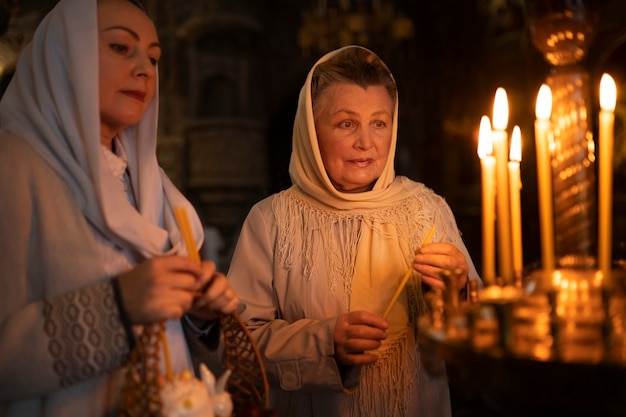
{"x": 232, "y": 70}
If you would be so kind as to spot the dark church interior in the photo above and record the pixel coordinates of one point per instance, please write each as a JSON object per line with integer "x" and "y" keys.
{"x": 230, "y": 77}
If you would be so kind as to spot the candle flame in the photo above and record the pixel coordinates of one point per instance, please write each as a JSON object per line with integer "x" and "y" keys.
{"x": 485, "y": 140}
{"x": 608, "y": 92}
{"x": 515, "y": 154}
{"x": 543, "y": 108}
{"x": 500, "y": 110}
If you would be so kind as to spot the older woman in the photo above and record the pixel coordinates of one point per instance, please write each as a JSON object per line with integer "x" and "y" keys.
{"x": 90, "y": 249}
{"x": 316, "y": 265}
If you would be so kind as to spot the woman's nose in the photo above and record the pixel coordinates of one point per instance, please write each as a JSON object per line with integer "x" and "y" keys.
{"x": 144, "y": 67}
{"x": 364, "y": 140}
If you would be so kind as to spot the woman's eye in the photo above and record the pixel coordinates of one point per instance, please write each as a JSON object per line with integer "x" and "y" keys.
{"x": 345, "y": 124}
{"x": 379, "y": 124}
{"x": 118, "y": 47}
{"x": 154, "y": 61}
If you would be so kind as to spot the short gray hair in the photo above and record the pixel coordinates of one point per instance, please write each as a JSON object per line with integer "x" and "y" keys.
{"x": 354, "y": 66}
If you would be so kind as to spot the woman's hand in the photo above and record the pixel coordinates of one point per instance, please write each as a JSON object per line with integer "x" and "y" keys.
{"x": 166, "y": 287}
{"x": 356, "y": 332}
{"x": 215, "y": 296}
{"x": 430, "y": 259}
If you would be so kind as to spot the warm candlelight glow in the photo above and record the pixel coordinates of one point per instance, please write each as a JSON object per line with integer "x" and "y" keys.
{"x": 515, "y": 153}
{"x": 488, "y": 166}
{"x": 608, "y": 95}
{"x": 543, "y": 108}
{"x": 543, "y": 111}
{"x": 500, "y": 110}
{"x": 515, "y": 185}
{"x": 485, "y": 140}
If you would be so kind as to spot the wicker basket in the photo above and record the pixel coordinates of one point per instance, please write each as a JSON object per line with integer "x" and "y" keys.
{"x": 141, "y": 394}
{"x": 247, "y": 383}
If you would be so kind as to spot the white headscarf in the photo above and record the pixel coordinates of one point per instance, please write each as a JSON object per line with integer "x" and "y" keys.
{"x": 52, "y": 103}
{"x": 307, "y": 168}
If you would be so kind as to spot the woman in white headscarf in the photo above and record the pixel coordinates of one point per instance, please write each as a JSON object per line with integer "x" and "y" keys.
{"x": 89, "y": 248}
{"x": 317, "y": 264}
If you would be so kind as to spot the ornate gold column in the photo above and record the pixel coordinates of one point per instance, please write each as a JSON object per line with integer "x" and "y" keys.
{"x": 562, "y": 30}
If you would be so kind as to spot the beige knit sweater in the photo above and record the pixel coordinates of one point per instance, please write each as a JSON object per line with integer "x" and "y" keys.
{"x": 61, "y": 339}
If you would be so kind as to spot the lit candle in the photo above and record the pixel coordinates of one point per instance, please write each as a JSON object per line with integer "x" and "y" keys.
{"x": 503, "y": 221}
{"x": 515, "y": 185}
{"x": 543, "y": 110}
{"x": 608, "y": 95}
{"x": 488, "y": 178}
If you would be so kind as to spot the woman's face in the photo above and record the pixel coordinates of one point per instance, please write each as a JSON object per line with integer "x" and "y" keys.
{"x": 354, "y": 128}
{"x": 128, "y": 54}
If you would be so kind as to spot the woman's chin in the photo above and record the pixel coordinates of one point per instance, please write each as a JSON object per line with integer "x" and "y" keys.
{"x": 355, "y": 187}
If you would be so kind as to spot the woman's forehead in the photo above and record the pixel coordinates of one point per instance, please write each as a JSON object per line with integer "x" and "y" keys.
{"x": 124, "y": 13}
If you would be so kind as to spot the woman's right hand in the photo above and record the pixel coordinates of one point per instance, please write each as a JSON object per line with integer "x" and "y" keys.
{"x": 160, "y": 288}
{"x": 355, "y": 333}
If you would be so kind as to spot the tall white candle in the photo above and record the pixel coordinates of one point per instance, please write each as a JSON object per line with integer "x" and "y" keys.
{"x": 488, "y": 183}
{"x": 515, "y": 185}
{"x": 543, "y": 110}
{"x": 608, "y": 96}
{"x": 503, "y": 220}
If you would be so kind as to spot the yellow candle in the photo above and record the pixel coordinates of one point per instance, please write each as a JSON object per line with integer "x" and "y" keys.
{"x": 488, "y": 178}
{"x": 543, "y": 110}
{"x": 185, "y": 229}
{"x": 608, "y": 95}
{"x": 166, "y": 352}
{"x": 503, "y": 221}
{"x": 407, "y": 275}
{"x": 515, "y": 185}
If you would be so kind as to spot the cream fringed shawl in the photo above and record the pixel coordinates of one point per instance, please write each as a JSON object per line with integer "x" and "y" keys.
{"x": 400, "y": 227}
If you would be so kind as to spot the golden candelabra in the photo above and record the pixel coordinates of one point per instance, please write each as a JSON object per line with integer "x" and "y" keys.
{"x": 554, "y": 341}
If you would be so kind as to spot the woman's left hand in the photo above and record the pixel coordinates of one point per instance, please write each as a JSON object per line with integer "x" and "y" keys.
{"x": 432, "y": 258}
{"x": 215, "y": 296}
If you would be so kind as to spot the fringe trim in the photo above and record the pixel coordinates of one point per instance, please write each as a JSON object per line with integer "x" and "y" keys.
{"x": 385, "y": 386}
{"x": 302, "y": 227}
